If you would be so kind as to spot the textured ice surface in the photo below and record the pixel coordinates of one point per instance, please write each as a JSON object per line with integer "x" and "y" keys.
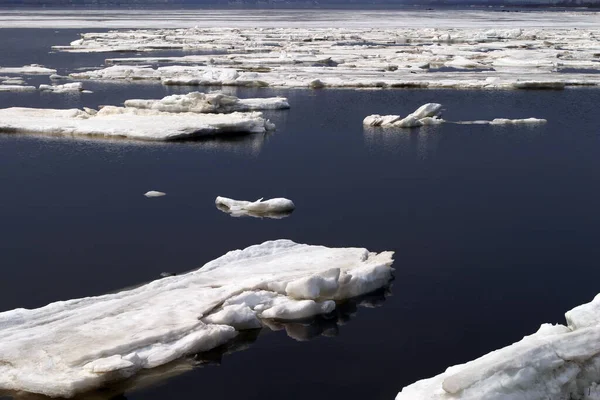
{"x": 272, "y": 208}
{"x": 72, "y": 346}
{"x": 128, "y": 123}
{"x": 33, "y": 69}
{"x": 527, "y": 57}
{"x": 557, "y": 362}
{"x": 73, "y": 87}
{"x": 154, "y": 193}
{"x": 428, "y": 114}
{"x": 214, "y": 102}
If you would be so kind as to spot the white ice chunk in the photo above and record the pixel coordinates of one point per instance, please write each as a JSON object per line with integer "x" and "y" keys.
{"x": 272, "y": 208}
{"x": 557, "y": 362}
{"x": 129, "y": 123}
{"x": 73, "y": 87}
{"x": 427, "y": 114}
{"x": 13, "y": 81}
{"x": 154, "y": 193}
{"x": 33, "y": 69}
{"x": 73, "y": 346}
{"x": 239, "y": 316}
{"x": 17, "y": 88}
{"x": 215, "y": 102}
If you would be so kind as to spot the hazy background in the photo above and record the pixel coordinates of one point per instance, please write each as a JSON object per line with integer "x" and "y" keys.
{"x": 294, "y": 3}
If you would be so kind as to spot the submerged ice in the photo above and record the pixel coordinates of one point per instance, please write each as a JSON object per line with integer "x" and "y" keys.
{"x": 72, "y": 346}
{"x": 557, "y": 362}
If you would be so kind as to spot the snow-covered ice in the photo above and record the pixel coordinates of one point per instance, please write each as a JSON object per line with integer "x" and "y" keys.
{"x": 273, "y": 208}
{"x": 33, "y": 69}
{"x": 429, "y": 114}
{"x": 555, "y": 363}
{"x": 154, "y": 193}
{"x": 214, "y": 102}
{"x": 77, "y": 345}
{"x": 74, "y": 87}
{"x": 130, "y": 123}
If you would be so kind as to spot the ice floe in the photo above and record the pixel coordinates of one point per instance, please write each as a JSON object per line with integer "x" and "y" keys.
{"x": 17, "y": 88}
{"x": 429, "y": 114}
{"x": 77, "y": 345}
{"x": 273, "y": 208}
{"x": 130, "y": 123}
{"x": 354, "y": 57}
{"x": 154, "y": 193}
{"x": 214, "y": 102}
{"x": 557, "y": 362}
{"x": 33, "y": 69}
{"x": 73, "y": 87}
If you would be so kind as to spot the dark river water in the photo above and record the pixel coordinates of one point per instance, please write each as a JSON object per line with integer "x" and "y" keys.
{"x": 495, "y": 229}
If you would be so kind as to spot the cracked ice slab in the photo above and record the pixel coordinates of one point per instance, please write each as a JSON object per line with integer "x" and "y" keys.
{"x": 557, "y": 362}
{"x": 273, "y": 208}
{"x": 76, "y": 345}
{"x": 130, "y": 123}
{"x": 214, "y": 102}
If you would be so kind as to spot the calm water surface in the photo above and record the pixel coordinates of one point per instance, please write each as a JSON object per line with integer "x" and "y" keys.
{"x": 495, "y": 229}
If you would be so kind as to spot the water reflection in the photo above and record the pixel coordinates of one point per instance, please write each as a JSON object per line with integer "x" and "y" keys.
{"x": 420, "y": 143}
{"x": 302, "y": 330}
{"x": 243, "y": 144}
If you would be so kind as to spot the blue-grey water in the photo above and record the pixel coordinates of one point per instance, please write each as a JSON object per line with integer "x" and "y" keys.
{"x": 495, "y": 229}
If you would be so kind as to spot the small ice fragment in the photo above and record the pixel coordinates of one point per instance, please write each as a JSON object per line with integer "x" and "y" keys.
{"x": 154, "y": 193}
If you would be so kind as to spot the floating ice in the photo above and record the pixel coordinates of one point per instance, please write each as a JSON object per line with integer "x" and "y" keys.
{"x": 272, "y": 208}
{"x": 13, "y": 81}
{"x": 354, "y": 57}
{"x": 214, "y": 102}
{"x": 428, "y": 114}
{"x": 73, "y": 87}
{"x": 129, "y": 123}
{"x": 17, "y": 88}
{"x": 33, "y": 69}
{"x": 154, "y": 193}
{"x": 72, "y": 346}
{"x": 557, "y": 362}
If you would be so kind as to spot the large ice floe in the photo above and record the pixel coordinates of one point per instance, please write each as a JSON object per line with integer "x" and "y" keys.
{"x": 354, "y": 57}
{"x": 130, "y": 123}
{"x": 214, "y": 102}
{"x": 77, "y": 345}
{"x": 33, "y": 69}
{"x": 273, "y": 208}
{"x": 429, "y": 114}
{"x": 557, "y": 362}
